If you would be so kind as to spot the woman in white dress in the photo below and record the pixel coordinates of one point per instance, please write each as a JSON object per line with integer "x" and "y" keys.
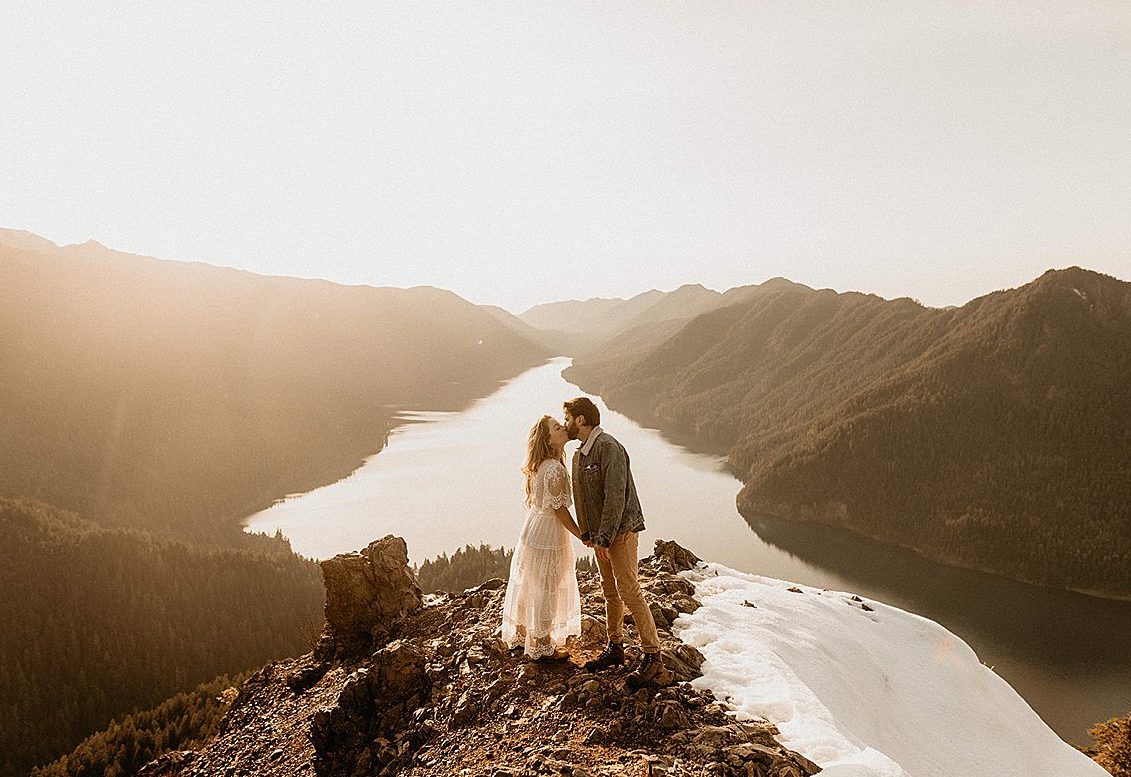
{"x": 542, "y": 607}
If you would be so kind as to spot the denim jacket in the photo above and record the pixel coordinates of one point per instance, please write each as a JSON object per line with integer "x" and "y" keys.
{"x": 603, "y": 491}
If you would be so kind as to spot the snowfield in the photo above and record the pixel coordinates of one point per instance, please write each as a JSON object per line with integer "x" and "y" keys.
{"x": 864, "y": 693}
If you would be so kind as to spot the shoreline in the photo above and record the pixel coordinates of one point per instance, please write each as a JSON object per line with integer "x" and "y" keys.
{"x": 703, "y": 444}
{"x": 330, "y": 474}
{"x": 1099, "y": 595}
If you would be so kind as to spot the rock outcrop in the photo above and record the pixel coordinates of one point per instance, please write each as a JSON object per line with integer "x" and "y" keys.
{"x": 368, "y": 593}
{"x": 395, "y": 687}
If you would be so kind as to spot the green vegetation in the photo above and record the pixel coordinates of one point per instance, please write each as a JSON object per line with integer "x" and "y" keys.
{"x": 161, "y": 403}
{"x": 182, "y": 722}
{"x": 1112, "y": 749}
{"x": 469, "y": 566}
{"x": 190, "y": 719}
{"x": 99, "y": 621}
{"x": 992, "y": 435}
{"x": 181, "y": 397}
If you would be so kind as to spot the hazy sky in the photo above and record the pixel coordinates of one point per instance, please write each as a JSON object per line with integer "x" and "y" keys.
{"x": 518, "y": 152}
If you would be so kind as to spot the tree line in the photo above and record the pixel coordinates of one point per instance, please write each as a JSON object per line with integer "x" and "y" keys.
{"x": 99, "y": 622}
{"x": 471, "y": 565}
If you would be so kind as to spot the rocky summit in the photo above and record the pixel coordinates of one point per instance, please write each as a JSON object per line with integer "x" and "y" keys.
{"x": 405, "y": 684}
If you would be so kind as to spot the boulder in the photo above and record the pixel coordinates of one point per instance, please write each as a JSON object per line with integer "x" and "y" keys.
{"x": 372, "y": 711}
{"x": 367, "y": 593}
{"x": 672, "y": 557}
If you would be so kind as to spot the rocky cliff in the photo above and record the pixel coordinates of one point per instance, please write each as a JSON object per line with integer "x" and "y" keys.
{"x": 402, "y": 684}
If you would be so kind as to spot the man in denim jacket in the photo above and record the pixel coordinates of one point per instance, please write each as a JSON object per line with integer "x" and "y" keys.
{"x": 610, "y": 518}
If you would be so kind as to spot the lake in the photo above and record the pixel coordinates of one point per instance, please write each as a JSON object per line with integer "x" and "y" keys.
{"x": 448, "y": 479}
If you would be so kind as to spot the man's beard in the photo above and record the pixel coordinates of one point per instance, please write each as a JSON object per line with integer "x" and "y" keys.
{"x": 571, "y": 430}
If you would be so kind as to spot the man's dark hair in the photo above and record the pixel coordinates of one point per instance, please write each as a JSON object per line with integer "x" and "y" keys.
{"x": 583, "y": 406}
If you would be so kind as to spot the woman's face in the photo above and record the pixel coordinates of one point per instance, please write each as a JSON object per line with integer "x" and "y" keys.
{"x": 558, "y": 434}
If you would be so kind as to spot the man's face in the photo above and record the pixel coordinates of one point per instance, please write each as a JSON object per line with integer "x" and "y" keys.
{"x": 571, "y": 425}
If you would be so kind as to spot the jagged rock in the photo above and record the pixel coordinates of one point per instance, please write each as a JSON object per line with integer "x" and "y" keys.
{"x": 375, "y": 704}
{"x": 367, "y": 592}
{"x": 494, "y": 584}
{"x": 673, "y": 717}
{"x": 171, "y": 763}
{"x": 307, "y": 674}
{"x": 592, "y": 629}
{"x": 465, "y": 709}
{"x": 682, "y": 662}
{"x": 442, "y": 698}
{"x": 672, "y": 557}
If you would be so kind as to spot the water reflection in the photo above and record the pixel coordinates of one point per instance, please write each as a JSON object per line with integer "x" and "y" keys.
{"x": 448, "y": 479}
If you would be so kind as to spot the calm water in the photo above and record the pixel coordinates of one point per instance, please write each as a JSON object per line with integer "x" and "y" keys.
{"x": 449, "y": 479}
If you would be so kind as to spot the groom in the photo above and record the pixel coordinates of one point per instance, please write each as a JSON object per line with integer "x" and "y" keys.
{"x": 609, "y": 515}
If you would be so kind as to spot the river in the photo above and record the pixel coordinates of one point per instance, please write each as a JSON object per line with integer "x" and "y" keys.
{"x": 448, "y": 479}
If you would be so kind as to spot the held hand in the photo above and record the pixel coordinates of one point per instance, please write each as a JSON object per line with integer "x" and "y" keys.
{"x": 602, "y": 553}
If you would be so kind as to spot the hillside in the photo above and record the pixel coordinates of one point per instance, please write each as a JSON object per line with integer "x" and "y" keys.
{"x": 398, "y": 685}
{"x": 763, "y": 679}
{"x": 97, "y": 622}
{"x": 181, "y": 397}
{"x": 186, "y": 720}
{"x": 148, "y": 407}
{"x": 588, "y": 315}
{"x": 988, "y": 436}
{"x": 581, "y": 327}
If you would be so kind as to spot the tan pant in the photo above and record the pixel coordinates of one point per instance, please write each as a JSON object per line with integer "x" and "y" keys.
{"x": 618, "y": 580}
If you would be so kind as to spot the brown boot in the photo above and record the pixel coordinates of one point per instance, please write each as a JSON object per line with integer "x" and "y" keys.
{"x": 612, "y": 655}
{"x": 650, "y": 670}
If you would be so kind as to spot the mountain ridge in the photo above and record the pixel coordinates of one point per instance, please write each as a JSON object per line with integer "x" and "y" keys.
{"x": 98, "y": 621}
{"x": 402, "y": 686}
{"x": 837, "y": 406}
{"x": 106, "y": 332}
{"x": 164, "y": 402}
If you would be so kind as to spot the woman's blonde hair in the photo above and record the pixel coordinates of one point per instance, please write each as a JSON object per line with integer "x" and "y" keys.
{"x": 538, "y": 449}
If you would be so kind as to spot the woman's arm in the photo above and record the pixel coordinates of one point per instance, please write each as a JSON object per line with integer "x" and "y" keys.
{"x": 566, "y": 519}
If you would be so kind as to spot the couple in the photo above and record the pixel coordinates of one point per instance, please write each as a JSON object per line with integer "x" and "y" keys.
{"x": 542, "y": 607}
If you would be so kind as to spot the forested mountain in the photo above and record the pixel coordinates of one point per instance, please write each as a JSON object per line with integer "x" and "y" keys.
{"x": 684, "y": 303}
{"x": 581, "y": 327}
{"x": 590, "y": 314}
{"x": 181, "y": 722}
{"x": 645, "y": 332}
{"x": 161, "y": 403}
{"x": 190, "y": 719}
{"x": 97, "y": 622}
{"x": 555, "y": 342}
{"x": 992, "y": 435}
{"x": 180, "y": 396}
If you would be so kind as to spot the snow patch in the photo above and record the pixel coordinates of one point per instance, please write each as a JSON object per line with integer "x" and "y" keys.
{"x": 864, "y": 689}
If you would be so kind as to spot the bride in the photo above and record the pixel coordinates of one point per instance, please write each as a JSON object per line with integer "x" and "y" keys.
{"x": 542, "y": 607}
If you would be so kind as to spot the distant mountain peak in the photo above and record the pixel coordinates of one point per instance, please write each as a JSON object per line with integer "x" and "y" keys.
{"x": 20, "y": 238}
{"x": 1075, "y": 274}
{"x": 91, "y": 244}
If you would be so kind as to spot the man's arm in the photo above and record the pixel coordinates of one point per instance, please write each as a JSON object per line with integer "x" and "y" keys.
{"x": 579, "y": 503}
{"x": 614, "y": 472}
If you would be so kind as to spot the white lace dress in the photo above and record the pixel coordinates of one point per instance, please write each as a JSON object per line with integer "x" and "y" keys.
{"x": 542, "y": 607}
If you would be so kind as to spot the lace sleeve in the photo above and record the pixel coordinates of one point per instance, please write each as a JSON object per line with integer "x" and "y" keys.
{"x": 557, "y": 493}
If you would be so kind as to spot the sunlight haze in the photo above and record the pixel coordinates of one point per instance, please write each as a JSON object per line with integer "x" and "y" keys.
{"x": 518, "y": 153}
